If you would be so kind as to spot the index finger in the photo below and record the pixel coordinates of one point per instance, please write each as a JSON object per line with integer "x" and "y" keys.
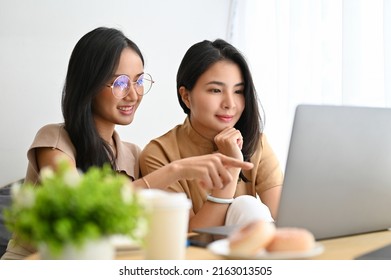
{"x": 232, "y": 162}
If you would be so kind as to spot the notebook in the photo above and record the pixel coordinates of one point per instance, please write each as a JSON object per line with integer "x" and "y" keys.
{"x": 338, "y": 171}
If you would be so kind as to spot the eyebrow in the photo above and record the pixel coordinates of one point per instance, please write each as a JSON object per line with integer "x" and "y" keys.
{"x": 222, "y": 84}
{"x": 137, "y": 75}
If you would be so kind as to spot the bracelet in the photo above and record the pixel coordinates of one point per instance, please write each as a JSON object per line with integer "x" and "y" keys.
{"x": 146, "y": 182}
{"x": 219, "y": 200}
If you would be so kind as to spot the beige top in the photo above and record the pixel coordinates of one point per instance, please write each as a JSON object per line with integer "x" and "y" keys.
{"x": 183, "y": 141}
{"x": 56, "y": 137}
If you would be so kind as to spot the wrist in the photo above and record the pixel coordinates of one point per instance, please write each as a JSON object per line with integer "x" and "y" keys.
{"x": 235, "y": 172}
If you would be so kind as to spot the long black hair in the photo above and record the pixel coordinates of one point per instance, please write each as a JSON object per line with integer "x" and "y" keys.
{"x": 198, "y": 59}
{"x": 92, "y": 63}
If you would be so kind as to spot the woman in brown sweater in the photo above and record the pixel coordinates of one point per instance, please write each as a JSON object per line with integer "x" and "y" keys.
{"x": 216, "y": 91}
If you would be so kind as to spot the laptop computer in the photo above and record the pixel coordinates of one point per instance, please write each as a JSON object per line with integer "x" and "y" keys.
{"x": 337, "y": 179}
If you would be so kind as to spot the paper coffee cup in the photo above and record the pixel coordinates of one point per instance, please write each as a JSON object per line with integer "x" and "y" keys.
{"x": 168, "y": 219}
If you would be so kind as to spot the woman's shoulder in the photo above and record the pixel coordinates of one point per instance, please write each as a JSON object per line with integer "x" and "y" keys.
{"x": 55, "y": 136}
{"x": 263, "y": 140}
{"x": 52, "y": 129}
{"x": 169, "y": 138}
{"x": 166, "y": 145}
{"x": 263, "y": 147}
{"x": 52, "y": 136}
{"x": 166, "y": 141}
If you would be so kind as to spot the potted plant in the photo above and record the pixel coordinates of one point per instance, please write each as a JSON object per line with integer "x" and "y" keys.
{"x": 68, "y": 212}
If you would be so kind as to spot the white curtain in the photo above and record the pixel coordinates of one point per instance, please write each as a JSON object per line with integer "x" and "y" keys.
{"x": 313, "y": 51}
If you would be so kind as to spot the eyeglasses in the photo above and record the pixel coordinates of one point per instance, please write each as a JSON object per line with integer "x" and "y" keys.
{"x": 121, "y": 85}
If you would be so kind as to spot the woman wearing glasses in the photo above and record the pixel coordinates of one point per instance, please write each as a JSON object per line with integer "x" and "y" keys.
{"x": 104, "y": 86}
{"x": 216, "y": 91}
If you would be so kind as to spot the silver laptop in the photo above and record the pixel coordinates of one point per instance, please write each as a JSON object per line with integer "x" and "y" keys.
{"x": 338, "y": 171}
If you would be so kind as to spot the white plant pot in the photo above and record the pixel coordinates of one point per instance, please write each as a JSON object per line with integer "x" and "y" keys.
{"x": 100, "y": 249}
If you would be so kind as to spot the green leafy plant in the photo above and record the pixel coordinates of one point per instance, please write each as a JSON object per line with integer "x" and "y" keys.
{"x": 68, "y": 208}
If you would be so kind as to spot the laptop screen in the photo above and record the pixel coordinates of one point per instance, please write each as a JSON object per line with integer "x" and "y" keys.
{"x": 338, "y": 171}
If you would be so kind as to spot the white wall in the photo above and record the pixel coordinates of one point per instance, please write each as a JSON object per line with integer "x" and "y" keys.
{"x": 37, "y": 37}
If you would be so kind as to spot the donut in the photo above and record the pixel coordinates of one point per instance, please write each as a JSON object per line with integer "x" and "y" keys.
{"x": 251, "y": 238}
{"x": 291, "y": 239}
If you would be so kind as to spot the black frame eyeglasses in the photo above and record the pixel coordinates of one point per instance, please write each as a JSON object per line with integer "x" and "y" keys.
{"x": 121, "y": 85}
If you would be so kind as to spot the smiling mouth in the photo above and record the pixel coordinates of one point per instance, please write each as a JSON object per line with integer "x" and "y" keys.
{"x": 126, "y": 109}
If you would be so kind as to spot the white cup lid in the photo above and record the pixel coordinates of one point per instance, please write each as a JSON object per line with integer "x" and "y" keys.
{"x": 164, "y": 199}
